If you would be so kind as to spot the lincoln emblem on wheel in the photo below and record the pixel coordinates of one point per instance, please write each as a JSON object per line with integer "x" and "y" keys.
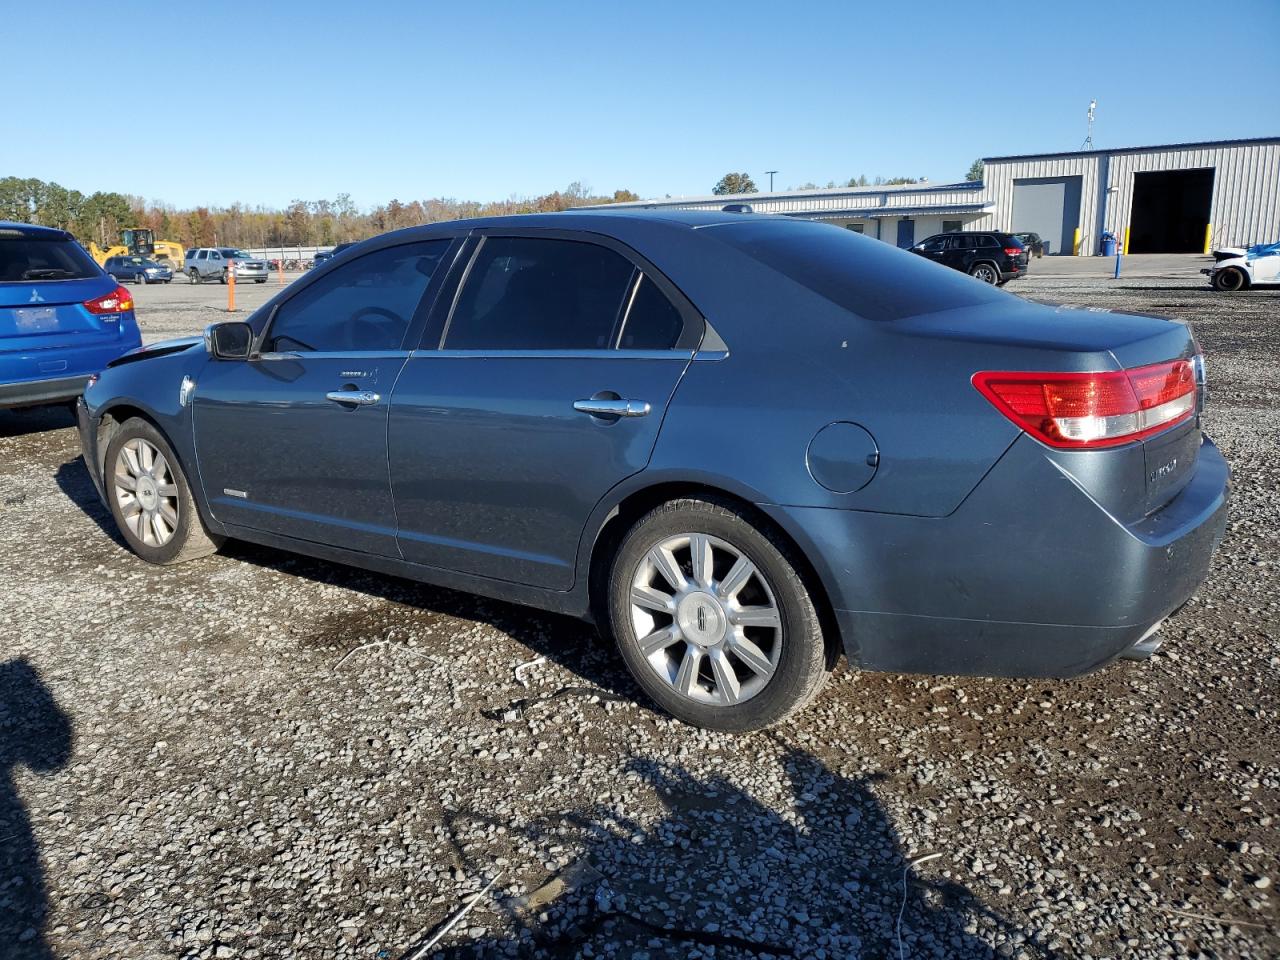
{"x": 742, "y": 445}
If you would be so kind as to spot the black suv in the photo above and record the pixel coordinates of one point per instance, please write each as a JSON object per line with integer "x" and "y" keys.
{"x": 990, "y": 257}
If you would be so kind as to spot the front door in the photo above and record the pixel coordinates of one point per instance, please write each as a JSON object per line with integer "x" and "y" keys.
{"x": 557, "y": 365}
{"x": 906, "y": 234}
{"x": 294, "y": 440}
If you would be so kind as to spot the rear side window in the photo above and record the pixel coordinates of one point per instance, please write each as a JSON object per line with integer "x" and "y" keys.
{"x": 870, "y": 278}
{"x": 24, "y": 259}
{"x": 652, "y": 321}
{"x": 534, "y": 293}
{"x": 364, "y": 305}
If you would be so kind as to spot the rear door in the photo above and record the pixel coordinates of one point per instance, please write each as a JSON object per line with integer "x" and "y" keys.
{"x": 560, "y": 353}
{"x": 294, "y": 440}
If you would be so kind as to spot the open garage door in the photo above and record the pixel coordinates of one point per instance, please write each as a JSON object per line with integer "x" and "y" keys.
{"x": 1049, "y": 206}
{"x": 1170, "y": 211}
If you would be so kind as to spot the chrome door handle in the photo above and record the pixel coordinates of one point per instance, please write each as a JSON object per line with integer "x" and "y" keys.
{"x": 612, "y": 408}
{"x": 360, "y": 398}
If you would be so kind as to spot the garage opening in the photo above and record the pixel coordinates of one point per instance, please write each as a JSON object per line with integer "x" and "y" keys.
{"x": 1170, "y": 211}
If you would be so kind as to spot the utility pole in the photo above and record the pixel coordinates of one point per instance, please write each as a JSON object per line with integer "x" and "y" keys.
{"x": 771, "y": 173}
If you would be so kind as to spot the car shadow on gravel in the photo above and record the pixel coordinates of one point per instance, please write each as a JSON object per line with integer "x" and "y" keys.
{"x": 28, "y": 420}
{"x": 819, "y": 871}
{"x": 571, "y": 643}
{"x": 74, "y": 481}
{"x": 34, "y": 733}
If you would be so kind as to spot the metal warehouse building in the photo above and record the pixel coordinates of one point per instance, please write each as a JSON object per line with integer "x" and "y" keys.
{"x": 1178, "y": 198}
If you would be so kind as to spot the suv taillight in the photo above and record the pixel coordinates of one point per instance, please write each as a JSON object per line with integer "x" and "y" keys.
{"x": 1075, "y": 410}
{"x": 1012, "y": 251}
{"x": 117, "y": 301}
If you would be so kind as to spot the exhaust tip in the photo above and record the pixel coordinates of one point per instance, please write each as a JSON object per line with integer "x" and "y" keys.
{"x": 1148, "y": 644}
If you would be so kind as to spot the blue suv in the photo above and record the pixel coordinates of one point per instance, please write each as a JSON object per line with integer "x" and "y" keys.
{"x": 62, "y": 319}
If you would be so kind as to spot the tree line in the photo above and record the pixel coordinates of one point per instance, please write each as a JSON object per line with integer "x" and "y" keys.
{"x": 99, "y": 217}
{"x": 732, "y": 183}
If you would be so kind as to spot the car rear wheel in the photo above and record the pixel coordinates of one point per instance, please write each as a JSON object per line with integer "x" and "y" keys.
{"x": 150, "y": 499}
{"x": 986, "y": 273}
{"x": 713, "y": 618}
{"x": 1229, "y": 280}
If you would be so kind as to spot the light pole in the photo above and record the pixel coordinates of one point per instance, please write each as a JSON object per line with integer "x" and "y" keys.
{"x": 771, "y": 173}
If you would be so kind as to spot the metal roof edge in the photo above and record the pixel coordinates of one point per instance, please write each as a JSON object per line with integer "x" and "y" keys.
{"x": 1160, "y": 146}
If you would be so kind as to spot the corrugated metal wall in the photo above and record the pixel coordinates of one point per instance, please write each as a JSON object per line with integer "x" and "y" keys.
{"x": 1246, "y": 188}
{"x": 1245, "y": 206}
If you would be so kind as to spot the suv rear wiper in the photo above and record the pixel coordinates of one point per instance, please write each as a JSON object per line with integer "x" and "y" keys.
{"x": 47, "y": 273}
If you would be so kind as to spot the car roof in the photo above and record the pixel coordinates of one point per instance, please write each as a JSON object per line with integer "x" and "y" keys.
{"x": 35, "y": 230}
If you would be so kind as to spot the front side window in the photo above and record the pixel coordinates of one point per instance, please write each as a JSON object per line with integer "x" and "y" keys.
{"x": 535, "y": 293}
{"x": 364, "y": 305}
{"x": 934, "y": 245}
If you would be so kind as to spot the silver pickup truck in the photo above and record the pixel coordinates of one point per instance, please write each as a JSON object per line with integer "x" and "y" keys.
{"x": 210, "y": 263}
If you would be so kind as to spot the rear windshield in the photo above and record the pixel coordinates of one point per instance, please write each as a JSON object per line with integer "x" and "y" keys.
{"x": 25, "y": 259}
{"x": 870, "y": 278}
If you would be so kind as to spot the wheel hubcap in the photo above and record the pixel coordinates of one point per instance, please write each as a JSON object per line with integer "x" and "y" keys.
{"x": 706, "y": 618}
{"x": 146, "y": 493}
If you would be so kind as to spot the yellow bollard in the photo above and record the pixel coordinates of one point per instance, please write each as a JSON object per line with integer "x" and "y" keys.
{"x": 231, "y": 287}
{"x": 1126, "y": 241}
{"x": 1075, "y": 243}
{"x": 1208, "y": 239}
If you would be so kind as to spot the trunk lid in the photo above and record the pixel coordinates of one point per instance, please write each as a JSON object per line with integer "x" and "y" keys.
{"x": 34, "y": 316}
{"x": 1130, "y": 480}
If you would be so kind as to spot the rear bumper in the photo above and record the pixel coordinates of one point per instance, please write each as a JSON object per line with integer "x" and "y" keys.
{"x": 33, "y": 392}
{"x": 1028, "y": 578}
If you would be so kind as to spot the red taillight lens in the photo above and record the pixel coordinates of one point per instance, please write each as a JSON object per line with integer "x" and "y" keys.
{"x": 117, "y": 301}
{"x": 1073, "y": 410}
{"x": 1013, "y": 251}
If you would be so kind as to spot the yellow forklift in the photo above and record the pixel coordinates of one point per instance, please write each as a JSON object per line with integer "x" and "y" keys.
{"x": 141, "y": 242}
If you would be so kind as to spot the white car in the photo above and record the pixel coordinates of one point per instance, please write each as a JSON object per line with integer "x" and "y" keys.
{"x": 1237, "y": 268}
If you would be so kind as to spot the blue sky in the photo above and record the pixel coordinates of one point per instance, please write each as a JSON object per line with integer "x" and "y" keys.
{"x": 267, "y": 102}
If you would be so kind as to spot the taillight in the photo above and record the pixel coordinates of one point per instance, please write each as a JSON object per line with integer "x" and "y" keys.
{"x": 1074, "y": 410}
{"x": 1013, "y": 251}
{"x": 117, "y": 301}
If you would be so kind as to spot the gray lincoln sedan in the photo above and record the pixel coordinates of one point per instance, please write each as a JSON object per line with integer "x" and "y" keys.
{"x": 741, "y": 444}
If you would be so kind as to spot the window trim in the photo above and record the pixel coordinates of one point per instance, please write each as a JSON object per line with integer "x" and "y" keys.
{"x": 414, "y": 329}
{"x": 690, "y": 338}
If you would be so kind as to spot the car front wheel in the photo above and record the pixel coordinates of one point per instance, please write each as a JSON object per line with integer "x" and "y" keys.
{"x": 713, "y": 618}
{"x": 1229, "y": 280}
{"x": 150, "y": 498}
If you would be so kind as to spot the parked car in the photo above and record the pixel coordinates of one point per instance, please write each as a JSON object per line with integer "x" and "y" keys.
{"x": 323, "y": 255}
{"x": 1239, "y": 268}
{"x": 741, "y": 443}
{"x": 137, "y": 269}
{"x": 1033, "y": 244}
{"x": 61, "y": 317}
{"x": 209, "y": 263}
{"x": 994, "y": 258}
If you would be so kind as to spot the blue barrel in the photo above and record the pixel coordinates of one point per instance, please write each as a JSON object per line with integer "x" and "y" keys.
{"x": 1108, "y": 245}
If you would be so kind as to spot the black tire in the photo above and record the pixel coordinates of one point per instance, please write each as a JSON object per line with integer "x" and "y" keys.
{"x": 803, "y": 660}
{"x": 190, "y": 540}
{"x": 260, "y": 281}
{"x": 140, "y": 278}
{"x": 223, "y": 278}
{"x": 986, "y": 272}
{"x": 194, "y": 276}
{"x": 1230, "y": 280}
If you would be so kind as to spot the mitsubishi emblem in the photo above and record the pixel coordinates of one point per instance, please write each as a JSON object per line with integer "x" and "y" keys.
{"x": 35, "y": 297}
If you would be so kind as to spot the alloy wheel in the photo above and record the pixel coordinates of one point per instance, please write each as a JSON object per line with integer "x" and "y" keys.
{"x": 986, "y": 274}
{"x": 706, "y": 619}
{"x": 146, "y": 493}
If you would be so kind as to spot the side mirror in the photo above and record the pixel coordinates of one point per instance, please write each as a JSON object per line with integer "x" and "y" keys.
{"x": 229, "y": 340}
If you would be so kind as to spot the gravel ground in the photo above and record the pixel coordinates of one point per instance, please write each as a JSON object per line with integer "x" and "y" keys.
{"x": 259, "y": 755}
